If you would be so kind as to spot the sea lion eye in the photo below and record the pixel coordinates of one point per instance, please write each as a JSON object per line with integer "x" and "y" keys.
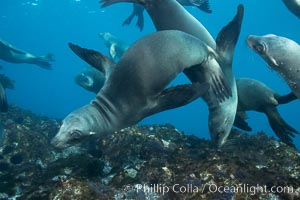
{"x": 260, "y": 47}
{"x": 75, "y": 134}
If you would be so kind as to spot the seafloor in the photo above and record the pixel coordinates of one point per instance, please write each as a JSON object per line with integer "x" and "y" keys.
{"x": 147, "y": 162}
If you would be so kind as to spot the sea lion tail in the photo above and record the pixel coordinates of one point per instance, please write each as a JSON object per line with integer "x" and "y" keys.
{"x": 106, "y": 3}
{"x": 280, "y": 127}
{"x": 284, "y": 99}
{"x": 3, "y": 100}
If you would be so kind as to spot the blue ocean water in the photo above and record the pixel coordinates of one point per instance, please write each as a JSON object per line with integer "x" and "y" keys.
{"x": 42, "y": 26}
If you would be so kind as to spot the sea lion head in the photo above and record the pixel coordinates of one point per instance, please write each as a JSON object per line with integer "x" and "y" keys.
{"x": 272, "y": 48}
{"x": 220, "y": 124}
{"x": 84, "y": 80}
{"x": 105, "y": 35}
{"x": 91, "y": 80}
{"x": 76, "y": 127}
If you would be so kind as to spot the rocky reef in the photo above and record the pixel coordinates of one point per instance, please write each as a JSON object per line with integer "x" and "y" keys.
{"x": 141, "y": 162}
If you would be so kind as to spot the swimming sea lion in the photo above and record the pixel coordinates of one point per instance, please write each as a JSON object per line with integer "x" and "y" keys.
{"x": 90, "y": 79}
{"x": 116, "y": 47}
{"x": 139, "y": 9}
{"x": 293, "y": 6}
{"x": 11, "y": 54}
{"x": 160, "y": 12}
{"x": 282, "y": 55}
{"x": 221, "y": 117}
{"x": 255, "y": 95}
{"x": 134, "y": 88}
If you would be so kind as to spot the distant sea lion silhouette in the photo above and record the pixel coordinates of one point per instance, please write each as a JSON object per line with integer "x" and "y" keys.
{"x": 7, "y": 82}
{"x": 139, "y": 9}
{"x": 90, "y": 79}
{"x": 255, "y": 95}
{"x": 11, "y": 54}
{"x": 221, "y": 117}
{"x": 293, "y": 6}
{"x": 116, "y": 46}
{"x": 134, "y": 88}
{"x": 282, "y": 55}
{"x": 3, "y": 100}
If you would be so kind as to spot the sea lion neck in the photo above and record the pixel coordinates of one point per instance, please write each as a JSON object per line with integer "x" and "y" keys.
{"x": 107, "y": 112}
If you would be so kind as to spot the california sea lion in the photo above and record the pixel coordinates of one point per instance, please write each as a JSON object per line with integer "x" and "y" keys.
{"x": 116, "y": 47}
{"x": 293, "y": 6}
{"x": 160, "y": 12}
{"x": 282, "y": 55}
{"x": 151, "y": 63}
{"x": 221, "y": 117}
{"x": 255, "y": 95}
{"x": 139, "y": 9}
{"x": 11, "y": 54}
{"x": 90, "y": 79}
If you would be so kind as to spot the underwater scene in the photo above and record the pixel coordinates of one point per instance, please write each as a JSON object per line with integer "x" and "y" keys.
{"x": 149, "y": 99}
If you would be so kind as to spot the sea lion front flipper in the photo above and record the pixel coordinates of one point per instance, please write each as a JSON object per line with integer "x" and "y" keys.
{"x": 94, "y": 58}
{"x": 240, "y": 121}
{"x": 284, "y": 99}
{"x": 283, "y": 131}
{"x": 178, "y": 96}
{"x": 228, "y": 37}
{"x": 3, "y": 100}
{"x": 202, "y": 5}
{"x": 10, "y": 47}
{"x": 218, "y": 83}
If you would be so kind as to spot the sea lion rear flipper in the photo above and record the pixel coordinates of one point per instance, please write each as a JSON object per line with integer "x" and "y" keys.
{"x": 178, "y": 96}
{"x": 280, "y": 127}
{"x": 44, "y": 61}
{"x": 140, "y": 16}
{"x": 94, "y": 58}
{"x": 137, "y": 11}
{"x": 3, "y": 100}
{"x": 284, "y": 99}
{"x": 128, "y": 20}
{"x": 202, "y": 5}
{"x": 240, "y": 122}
